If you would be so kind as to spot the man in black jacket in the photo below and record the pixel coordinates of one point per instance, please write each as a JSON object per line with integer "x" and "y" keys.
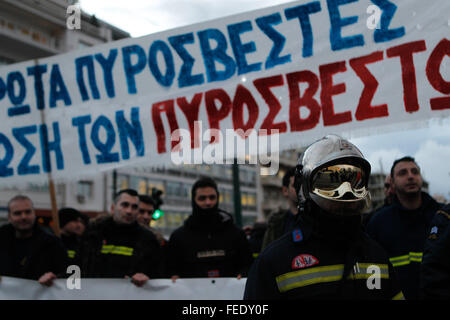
{"x": 26, "y": 249}
{"x": 117, "y": 246}
{"x": 208, "y": 244}
{"x": 402, "y": 228}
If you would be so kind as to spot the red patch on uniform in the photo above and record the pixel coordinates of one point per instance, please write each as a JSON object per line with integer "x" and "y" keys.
{"x": 213, "y": 274}
{"x": 303, "y": 261}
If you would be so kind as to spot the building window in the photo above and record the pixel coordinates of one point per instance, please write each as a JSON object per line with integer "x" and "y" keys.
{"x": 85, "y": 191}
{"x": 139, "y": 184}
{"x": 142, "y": 188}
{"x": 227, "y": 197}
{"x": 156, "y": 184}
{"x": 251, "y": 199}
{"x": 185, "y": 191}
{"x": 244, "y": 199}
{"x": 173, "y": 188}
{"x": 122, "y": 182}
{"x": 83, "y": 44}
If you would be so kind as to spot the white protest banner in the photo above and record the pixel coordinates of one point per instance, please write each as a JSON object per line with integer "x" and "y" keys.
{"x": 122, "y": 289}
{"x": 303, "y": 69}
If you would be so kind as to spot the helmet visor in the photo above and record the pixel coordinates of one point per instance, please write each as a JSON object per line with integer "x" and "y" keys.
{"x": 336, "y": 180}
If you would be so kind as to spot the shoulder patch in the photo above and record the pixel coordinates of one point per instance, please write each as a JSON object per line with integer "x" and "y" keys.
{"x": 297, "y": 235}
{"x": 443, "y": 213}
{"x": 303, "y": 261}
{"x": 434, "y": 230}
{"x": 434, "y": 233}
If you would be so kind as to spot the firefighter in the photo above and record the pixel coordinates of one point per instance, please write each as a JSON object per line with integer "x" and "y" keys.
{"x": 327, "y": 255}
{"x": 116, "y": 246}
{"x": 73, "y": 225}
{"x": 402, "y": 228}
{"x": 435, "y": 269}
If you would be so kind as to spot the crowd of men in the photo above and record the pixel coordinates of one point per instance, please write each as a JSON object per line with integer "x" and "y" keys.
{"x": 122, "y": 244}
{"x": 321, "y": 247}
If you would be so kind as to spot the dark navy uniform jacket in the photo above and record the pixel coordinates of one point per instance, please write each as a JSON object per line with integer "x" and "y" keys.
{"x": 43, "y": 253}
{"x": 435, "y": 268}
{"x": 402, "y": 233}
{"x": 306, "y": 265}
{"x": 112, "y": 250}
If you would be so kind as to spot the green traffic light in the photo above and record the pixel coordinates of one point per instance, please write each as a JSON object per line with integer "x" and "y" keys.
{"x": 158, "y": 214}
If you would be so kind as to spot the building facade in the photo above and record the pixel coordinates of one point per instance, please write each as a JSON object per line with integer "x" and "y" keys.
{"x": 32, "y": 29}
{"x": 176, "y": 183}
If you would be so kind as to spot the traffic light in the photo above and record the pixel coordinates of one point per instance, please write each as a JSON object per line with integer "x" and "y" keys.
{"x": 157, "y": 214}
{"x": 156, "y": 196}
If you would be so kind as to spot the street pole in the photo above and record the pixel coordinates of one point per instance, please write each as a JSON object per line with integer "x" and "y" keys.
{"x": 51, "y": 184}
{"x": 237, "y": 195}
{"x": 114, "y": 183}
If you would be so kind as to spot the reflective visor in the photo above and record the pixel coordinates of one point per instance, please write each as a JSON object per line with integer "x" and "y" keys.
{"x": 337, "y": 180}
{"x": 330, "y": 178}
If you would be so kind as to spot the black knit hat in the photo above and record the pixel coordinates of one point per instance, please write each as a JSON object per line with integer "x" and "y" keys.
{"x": 68, "y": 214}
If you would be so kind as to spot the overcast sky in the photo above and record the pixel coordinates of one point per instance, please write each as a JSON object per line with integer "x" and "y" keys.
{"x": 430, "y": 145}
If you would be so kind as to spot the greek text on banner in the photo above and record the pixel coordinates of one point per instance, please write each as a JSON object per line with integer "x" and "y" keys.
{"x": 302, "y": 70}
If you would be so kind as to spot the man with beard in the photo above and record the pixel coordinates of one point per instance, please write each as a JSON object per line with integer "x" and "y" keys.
{"x": 26, "y": 249}
{"x": 283, "y": 221}
{"x": 208, "y": 244}
{"x": 402, "y": 228}
{"x": 327, "y": 256}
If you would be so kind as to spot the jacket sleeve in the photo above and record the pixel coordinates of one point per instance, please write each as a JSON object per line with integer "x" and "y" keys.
{"x": 268, "y": 235}
{"x": 57, "y": 258}
{"x": 435, "y": 268}
{"x": 89, "y": 247}
{"x": 395, "y": 292}
{"x": 245, "y": 257}
{"x": 173, "y": 256}
{"x": 150, "y": 260}
{"x": 261, "y": 282}
{"x": 275, "y": 227}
